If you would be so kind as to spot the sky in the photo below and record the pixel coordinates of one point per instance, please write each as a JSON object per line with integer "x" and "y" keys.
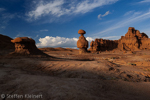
{"x": 55, "y": 23}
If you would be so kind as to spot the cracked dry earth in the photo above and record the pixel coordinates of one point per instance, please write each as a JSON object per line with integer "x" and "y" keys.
{"x": 70, "y": 76}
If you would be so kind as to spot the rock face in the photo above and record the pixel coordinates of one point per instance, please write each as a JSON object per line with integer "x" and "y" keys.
{"x": 6, "y": 46}
{"x": 5, "y": 43}
{"x": 103, "y": 45}
{"x": 82, "y": 43}
{"x": 25, "y": 46}
{"x": 133, "y": 40}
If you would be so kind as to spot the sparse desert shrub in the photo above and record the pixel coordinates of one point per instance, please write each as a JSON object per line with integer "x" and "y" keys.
{"x": 132, "y": 64}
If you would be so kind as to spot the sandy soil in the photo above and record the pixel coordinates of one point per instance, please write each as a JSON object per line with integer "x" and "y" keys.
{"x": 69, "y": 76}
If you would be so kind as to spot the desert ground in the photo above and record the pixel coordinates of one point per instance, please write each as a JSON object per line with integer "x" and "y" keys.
{"x": 68, "y": 75}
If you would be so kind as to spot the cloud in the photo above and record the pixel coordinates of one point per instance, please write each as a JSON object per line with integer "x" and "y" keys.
{"x": 132, "y": 13}
{"x": 49, "y": 41}
{"x": 144, "y": 1}
{"x": 5, "y": 18}
{"x": 134, "y": 18}
{"x": 58, "y": 8}
{"x": 43, "y": 9}
{"x": 57, "y": 41}
{"x": 36, "y": 36}
{"x": 45, "y": 30}
{"x": 2, "y": 9}
{"x": 111, "y": 37}
{"x": 129, "y": 13}
{"x": 20, "y": 34}
{"x": 100, "y": 15}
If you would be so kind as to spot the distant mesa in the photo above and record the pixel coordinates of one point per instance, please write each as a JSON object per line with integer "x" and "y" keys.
{"x": 133, "y": 40}
{"x": 25, "y": 46}
{"x": 82, "y": 43}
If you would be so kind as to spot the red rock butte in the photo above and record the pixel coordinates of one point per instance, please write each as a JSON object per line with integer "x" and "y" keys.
{"x": 133, "y": 40}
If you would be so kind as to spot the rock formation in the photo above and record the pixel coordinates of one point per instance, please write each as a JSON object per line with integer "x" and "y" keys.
{"x": 26, "y": 46}
{"x": 103, "y": 45}
{"x": 6, "y": 46}
{"x": 82, "y": 43}
{"x": 133, "y": 40}
{"x": 5, "y": 43}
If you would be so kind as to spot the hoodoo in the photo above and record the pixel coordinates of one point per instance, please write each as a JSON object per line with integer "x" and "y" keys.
{"x": 26, "y": 46}
{"x": 82, "y": 43}
{"x": 103, "y": 45}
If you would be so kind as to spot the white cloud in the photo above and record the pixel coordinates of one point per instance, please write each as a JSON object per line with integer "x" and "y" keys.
{"x": 45, "y": 30}
{"x": 43, "y": 9}
{"x": 129, "y": 13}
{"x": 57, "y": 41}
{"x": 36, "y": 36}
{"x": 100, "y": 15}
{"x": 58, "y": 8}
{"x": 21, "y": 35}
{"x": 134, "y": 18}
{"x": 132, "y": 13}
{"x": 144, "y": 1}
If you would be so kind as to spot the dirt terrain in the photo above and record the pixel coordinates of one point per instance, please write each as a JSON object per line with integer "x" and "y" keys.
{"x": 67, "y": 75}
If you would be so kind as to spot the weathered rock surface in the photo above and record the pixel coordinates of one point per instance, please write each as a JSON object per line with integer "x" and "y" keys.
{"x": 133, "y": 40}
{"x": 82, "y": 43}
{"x": 5, "y": 42}
{"x": 26, "y": 46}
{"x": 6, "y": 46}
{"x": 102, "y": 45}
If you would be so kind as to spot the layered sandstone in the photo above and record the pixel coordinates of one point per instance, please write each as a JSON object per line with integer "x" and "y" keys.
{"x": 82, "y": 43}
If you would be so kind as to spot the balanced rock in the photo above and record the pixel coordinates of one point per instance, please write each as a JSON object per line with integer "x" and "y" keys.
{"x": 25, "y": 46}
{"x": 82, "y": 43}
